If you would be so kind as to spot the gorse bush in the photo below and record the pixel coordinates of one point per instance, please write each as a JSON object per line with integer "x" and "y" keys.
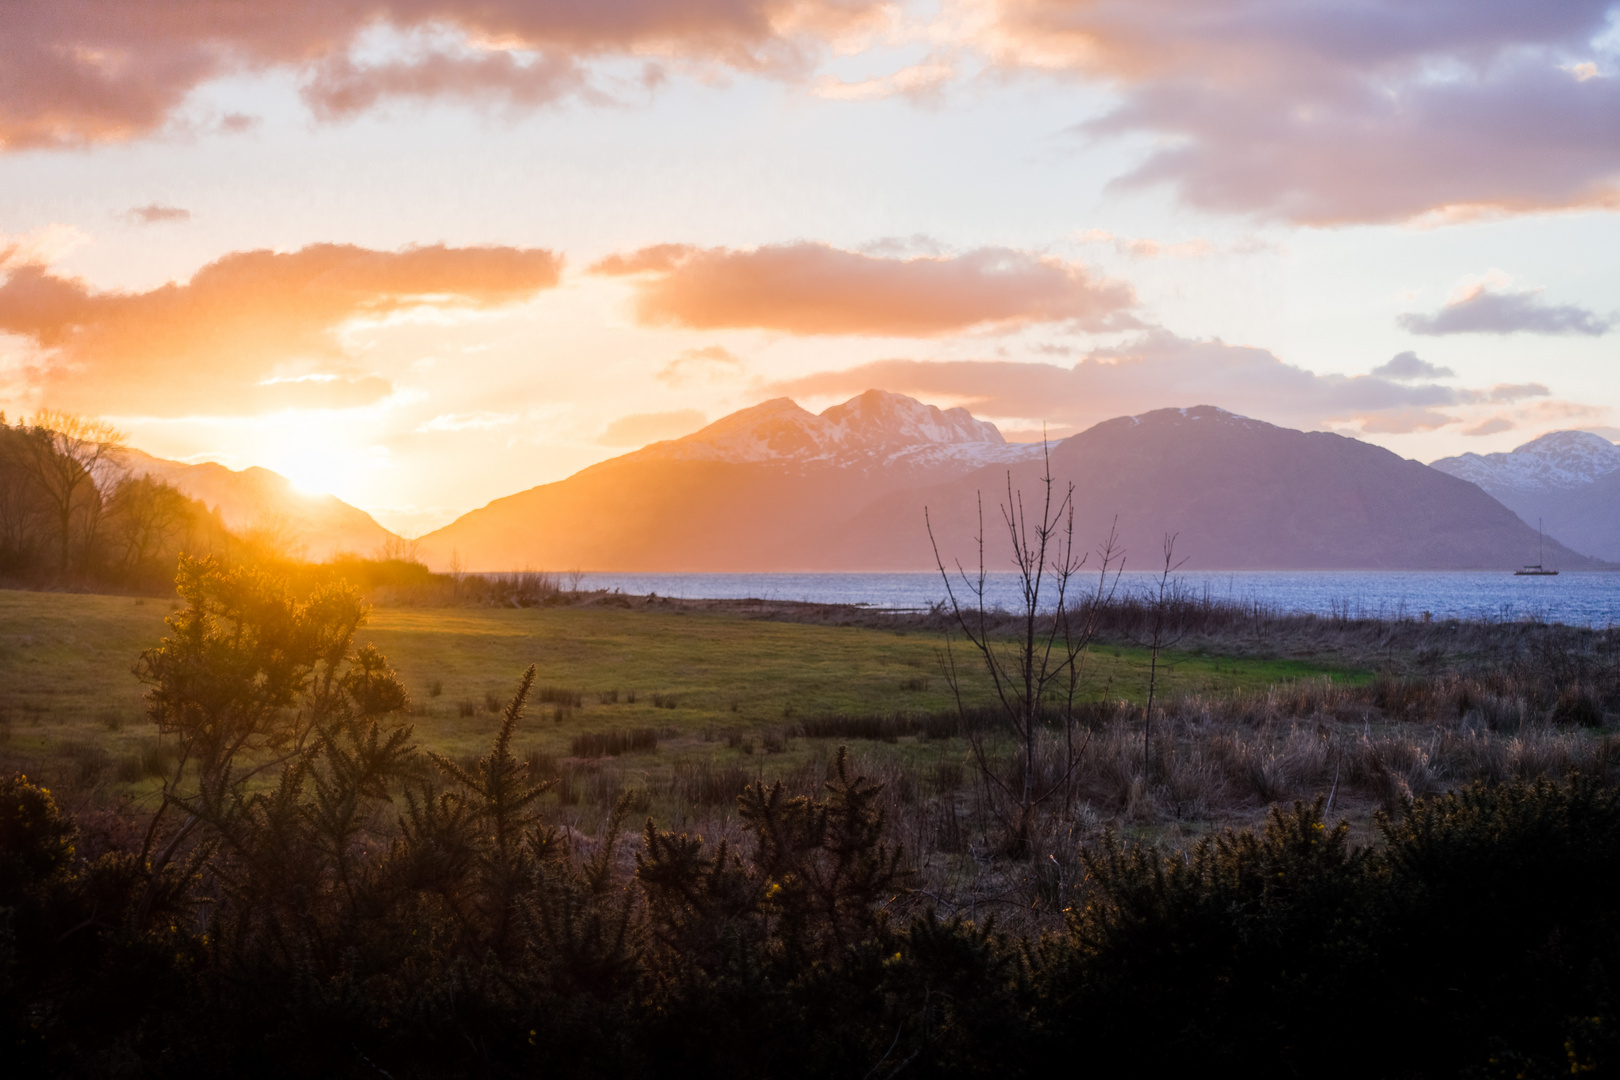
{"x": 317, "y": 896}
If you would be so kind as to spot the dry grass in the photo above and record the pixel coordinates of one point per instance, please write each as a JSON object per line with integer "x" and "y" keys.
{"x": 740, "y": 702}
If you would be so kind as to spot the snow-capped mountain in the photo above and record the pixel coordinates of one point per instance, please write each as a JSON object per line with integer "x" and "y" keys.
{"x": 1567, "y": 483}
{"x": 873, "y": 483}
{"x": 877, "y": 430}
{"x": 1561, "y": 459}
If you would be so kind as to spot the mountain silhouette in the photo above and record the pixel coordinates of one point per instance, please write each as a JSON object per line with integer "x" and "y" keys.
{"x": 775, "y": 487}
{"x": 259, "y": 500}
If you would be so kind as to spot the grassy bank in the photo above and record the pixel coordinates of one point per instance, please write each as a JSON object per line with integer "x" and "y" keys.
{"x": 697, "y": 677}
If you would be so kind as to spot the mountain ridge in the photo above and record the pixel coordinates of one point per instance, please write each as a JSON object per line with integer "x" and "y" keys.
{"x": 777, "y": 488}
{"x": 259, "y": 499}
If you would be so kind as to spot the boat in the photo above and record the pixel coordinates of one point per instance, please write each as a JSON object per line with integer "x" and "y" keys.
{"x": 1535, "y": 569}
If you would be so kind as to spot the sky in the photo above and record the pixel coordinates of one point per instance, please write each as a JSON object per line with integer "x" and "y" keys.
{"x": 423, "y": 254}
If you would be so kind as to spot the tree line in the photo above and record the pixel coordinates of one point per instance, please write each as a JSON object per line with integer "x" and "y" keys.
{"x": 315, "y": 894}
{"x": 72, "y": 514}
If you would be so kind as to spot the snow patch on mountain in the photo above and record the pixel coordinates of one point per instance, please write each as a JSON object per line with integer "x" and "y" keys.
{"x": 1555, "y": 462}
{"x": 878, "y": 429}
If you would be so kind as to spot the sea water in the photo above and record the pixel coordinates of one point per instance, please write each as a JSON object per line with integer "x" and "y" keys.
{"x": 1576, "y": 598}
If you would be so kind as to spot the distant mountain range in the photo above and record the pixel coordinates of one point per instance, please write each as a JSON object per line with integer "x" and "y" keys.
{"x": 1568, "y": 480}
{"x": 318, "y": 526}
{"x": 775, "y": 487}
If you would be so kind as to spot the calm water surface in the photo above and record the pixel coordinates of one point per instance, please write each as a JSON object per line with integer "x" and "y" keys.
{"x": 1591, "y": 599}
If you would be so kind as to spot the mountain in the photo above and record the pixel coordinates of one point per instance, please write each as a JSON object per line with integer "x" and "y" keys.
{"x": 752, "y": 491}
{"x": 1239, "y": 494}
{"x": 1561, "y": 459}
{"x": 778, "y": 488}
{"x": 1567, "y": 480}
{"x": 875, "y": 432}
{"x": 258, "y": 499}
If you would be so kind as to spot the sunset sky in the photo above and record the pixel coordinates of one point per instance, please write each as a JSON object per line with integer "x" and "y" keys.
{"x": 423, "y": 254}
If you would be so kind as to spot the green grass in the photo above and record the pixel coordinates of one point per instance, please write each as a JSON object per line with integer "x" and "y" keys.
{"x": 66, "y": 686}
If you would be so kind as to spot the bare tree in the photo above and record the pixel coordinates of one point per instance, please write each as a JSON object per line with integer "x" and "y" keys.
{"x": 1040, "y": 660}
{"x": 1160, "y": 638}
{"x": 1079, "y": 630}
{"x": 398, "y": 549}
{"x": 148, "y": 516}
{"x": 68, "y": 456}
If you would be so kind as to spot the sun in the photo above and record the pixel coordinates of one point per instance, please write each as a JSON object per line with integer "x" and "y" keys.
{"x": 313, "y": 469}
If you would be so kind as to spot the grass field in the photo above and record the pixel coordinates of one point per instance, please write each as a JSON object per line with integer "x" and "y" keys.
{"x": 679, "y": 708}
{"x": 698, "y": 679}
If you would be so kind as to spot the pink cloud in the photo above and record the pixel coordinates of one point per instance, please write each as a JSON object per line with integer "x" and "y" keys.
{"x": 80, "y": 71}
{"x": 1341, "y": 111}
{"x": 1482, "y": 311}
{"x": 1159, "y": 370}
{"x": 157, "y": 214}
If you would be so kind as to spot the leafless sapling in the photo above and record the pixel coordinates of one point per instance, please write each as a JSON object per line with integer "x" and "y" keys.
{"x": 1039, "y": 660}
{"x": 1160, "y": 637}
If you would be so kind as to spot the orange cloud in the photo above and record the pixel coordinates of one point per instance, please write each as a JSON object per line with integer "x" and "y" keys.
{"x": 78, "y": 71}
{"x": 642, "y": 428}
{"x": 710, "y": 362}
{"x": 809, "y": 288}
{"x": 250, "y": 331}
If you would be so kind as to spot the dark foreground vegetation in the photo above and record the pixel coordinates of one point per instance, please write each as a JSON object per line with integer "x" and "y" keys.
{"x": 315, "y": 894}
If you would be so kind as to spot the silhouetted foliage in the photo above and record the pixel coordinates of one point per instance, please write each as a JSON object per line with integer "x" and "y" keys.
{"x": 71, "y": 514}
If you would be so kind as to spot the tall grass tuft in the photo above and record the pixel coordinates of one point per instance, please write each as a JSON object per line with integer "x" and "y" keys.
{"x": 557, "y": 695}
{"x": 704, "y": 784}
{"x": 595, "y": 744}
